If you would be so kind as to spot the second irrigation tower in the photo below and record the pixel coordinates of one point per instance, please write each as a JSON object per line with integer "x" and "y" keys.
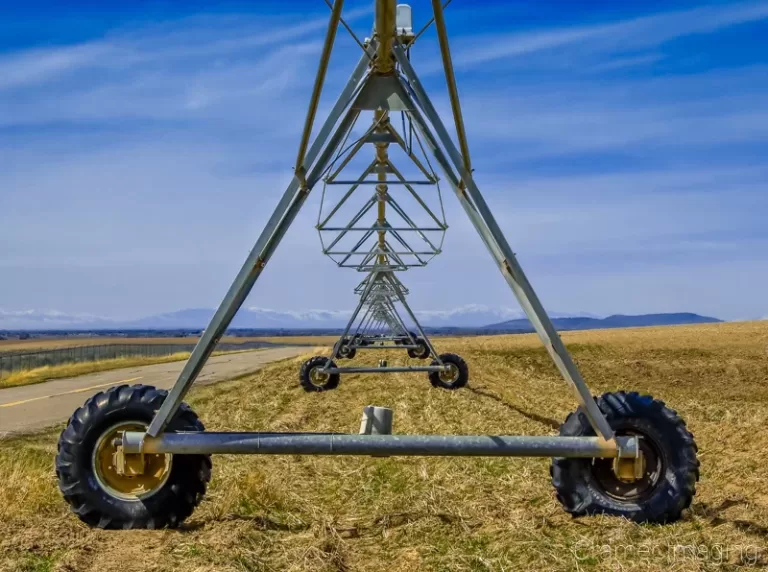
{"x": 138, "y": 457}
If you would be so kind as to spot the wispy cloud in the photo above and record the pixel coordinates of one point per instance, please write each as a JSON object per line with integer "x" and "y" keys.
{"x": 38, "y": 65}
{"x": 151, "y": 156}
{"x": 578, "y": 118}
{"x": 194, "y": 39}
{"x": 614, "y": 37}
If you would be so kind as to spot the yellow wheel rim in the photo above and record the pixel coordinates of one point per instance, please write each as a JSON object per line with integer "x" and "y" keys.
{"x": 157, "y": 468}
{"x": 317, "y": 376}
{"x": 450, "y": 375}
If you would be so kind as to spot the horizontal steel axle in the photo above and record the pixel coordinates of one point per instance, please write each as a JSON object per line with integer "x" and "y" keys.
{"x": 378, "y": 445}
{"x": 393, "y": 369}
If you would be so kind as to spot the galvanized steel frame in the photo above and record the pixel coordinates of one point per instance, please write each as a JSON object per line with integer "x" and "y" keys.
{"x": 311, "y": 166}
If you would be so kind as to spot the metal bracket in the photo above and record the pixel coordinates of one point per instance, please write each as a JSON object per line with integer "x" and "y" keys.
{"x": 128, "y": 464}
{"x": 630, "y": 469}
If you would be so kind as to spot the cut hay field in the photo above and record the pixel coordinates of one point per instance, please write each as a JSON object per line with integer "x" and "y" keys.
{"x": 408, "y": 514}
{"x": 49, "y": 343}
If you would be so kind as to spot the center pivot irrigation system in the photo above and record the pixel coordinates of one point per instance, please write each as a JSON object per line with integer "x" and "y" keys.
{"x": 138, "y": 457}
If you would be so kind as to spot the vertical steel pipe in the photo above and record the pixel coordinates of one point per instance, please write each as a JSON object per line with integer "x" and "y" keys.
{"x": 386, "y": 15}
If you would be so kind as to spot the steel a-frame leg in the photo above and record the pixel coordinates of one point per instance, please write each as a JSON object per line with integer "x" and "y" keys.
{"x": 484, "y": 222}
{"x": 314, "y": 164}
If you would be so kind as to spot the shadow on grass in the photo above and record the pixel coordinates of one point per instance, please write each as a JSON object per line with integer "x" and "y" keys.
{"x": 260, "y": 522}
{"x": 549, "y": 422}
{"x": 716, "y": 518}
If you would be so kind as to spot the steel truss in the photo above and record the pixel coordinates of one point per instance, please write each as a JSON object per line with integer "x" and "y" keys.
{"x": 115, "y": 474}
{"x": 377, "y": 324}
{"x": 383, "y": 82}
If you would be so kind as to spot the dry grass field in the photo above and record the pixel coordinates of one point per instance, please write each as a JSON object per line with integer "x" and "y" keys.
{"x": 35, "y": 344}
{"x": 408, "y": 514}
{"x": 302, "y": 340}
{"x": 46, "y": 373}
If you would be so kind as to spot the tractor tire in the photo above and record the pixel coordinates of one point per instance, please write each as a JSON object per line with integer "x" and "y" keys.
{"x": 313, "y": 380}
{"x": 422, "y": 352}
{"x": 667, "y": 487}
{"x": 346, "y": 351}
{"x": 100, "y": 496}
{"x": 454, "y": 379}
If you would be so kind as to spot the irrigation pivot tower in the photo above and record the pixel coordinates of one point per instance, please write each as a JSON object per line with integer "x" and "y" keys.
{"x": 139, "y": 457}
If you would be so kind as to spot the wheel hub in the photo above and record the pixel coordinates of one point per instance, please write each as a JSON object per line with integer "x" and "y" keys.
{"x": 318, "y": 376}
{"x": 128, "y": 477}
{"x": 631, "y": 479}
{"x": 449, "y": 375}
{"x": 629, "y": 470}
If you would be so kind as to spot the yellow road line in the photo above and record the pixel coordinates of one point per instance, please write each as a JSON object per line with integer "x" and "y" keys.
{"x": 81, "y": 390}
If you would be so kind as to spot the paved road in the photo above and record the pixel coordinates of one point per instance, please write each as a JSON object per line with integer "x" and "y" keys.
{"x": 33, "y": 407}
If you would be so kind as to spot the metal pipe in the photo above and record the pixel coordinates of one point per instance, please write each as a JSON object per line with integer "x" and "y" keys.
{"x": 426, "y": 26}
{"x": 390, "y": 347}
{"x": 330, "y": 37}
{"x": 393, "y": 369}
{"x": 347, "y": 27}
{"x": 450, "y": 79}
{"x": 384, "y": 31}
{"x": 204, "y": 443}
{"x": 375, "y": 228}
{"x": 391, "y": 181}
{"x": 381, "y": 116}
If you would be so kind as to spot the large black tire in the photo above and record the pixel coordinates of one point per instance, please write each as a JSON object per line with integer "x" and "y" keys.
{"x": 456, "y": 379}
{"x": 405, "y": 340}
{"x": 76, "y": 471}
{"x": 331, "y": 380}
{"x": 346, "y": 351}
{"x": 422, "y": 352}
{"x": 590, "y": 486}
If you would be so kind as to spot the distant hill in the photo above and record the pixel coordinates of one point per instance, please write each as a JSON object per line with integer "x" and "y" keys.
{"x": 462, "y": 320}
{"x": 468, "y": 316}
{"x": 615, "y": 321}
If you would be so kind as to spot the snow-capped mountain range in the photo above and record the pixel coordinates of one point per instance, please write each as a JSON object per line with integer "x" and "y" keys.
{"x": 474, "y": 315}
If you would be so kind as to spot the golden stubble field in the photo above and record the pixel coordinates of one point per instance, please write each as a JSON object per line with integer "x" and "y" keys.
{"x": 49, "y": 343}
{"x": 339, "y": 514}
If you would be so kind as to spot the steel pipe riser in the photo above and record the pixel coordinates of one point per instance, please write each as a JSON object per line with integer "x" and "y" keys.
{"x": 386, "y": 445}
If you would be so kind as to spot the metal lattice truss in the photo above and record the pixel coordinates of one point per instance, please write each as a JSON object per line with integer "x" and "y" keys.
{"x": 401, "y": 223}
{"x": 645, "y": 470}
{"x": 386, "y": 82}
{"x": 378, "y": 321}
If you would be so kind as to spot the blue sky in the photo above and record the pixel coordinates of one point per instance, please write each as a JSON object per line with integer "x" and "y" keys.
{"x": 622, "y": 146}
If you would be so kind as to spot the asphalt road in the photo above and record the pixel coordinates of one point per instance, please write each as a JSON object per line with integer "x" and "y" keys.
{"x": 34, "y": 407}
